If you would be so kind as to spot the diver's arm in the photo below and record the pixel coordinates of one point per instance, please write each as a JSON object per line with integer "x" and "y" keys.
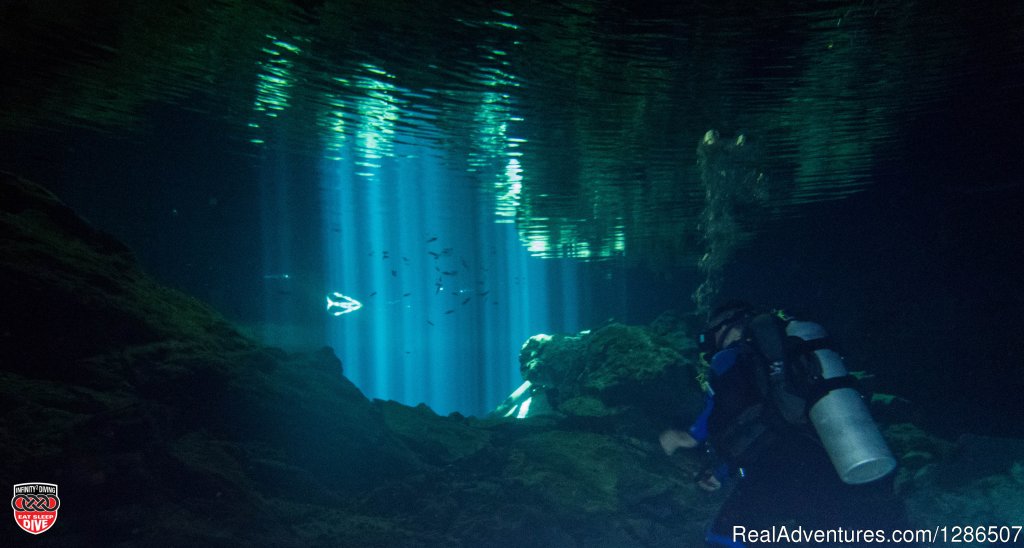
{"x": 673, "y": 438}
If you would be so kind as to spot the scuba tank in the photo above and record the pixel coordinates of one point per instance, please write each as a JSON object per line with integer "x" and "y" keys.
{"x": 839, "y": 415}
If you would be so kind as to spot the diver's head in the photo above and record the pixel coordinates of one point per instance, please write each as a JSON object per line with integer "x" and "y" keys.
{"x": 724, "y": 326}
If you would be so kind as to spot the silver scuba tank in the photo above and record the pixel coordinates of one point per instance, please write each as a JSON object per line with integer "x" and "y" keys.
{"x": 844, "y": 425}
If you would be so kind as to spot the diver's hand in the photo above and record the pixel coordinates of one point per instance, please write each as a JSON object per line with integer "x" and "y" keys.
{"x": 708, "y": 482}
{"x": 674, "y": 439}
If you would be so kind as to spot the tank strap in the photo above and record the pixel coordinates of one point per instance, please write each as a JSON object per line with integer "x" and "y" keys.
{"x": 821, "y": 388}
{"x": 797, "y": 346}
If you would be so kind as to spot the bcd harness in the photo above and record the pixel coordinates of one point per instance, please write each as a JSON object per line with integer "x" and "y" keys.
{"x": 789, "y": 378}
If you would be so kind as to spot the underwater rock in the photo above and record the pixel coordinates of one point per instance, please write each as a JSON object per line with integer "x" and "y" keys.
{"x": 436, "y": 440}
{"x": 71, "y": 291}
{"x": 145, "y": 406}
{"x": 979, "y": 482}
{"x": 677, "y": 329}
{"x": 613, "y": 370}
{"x": 548, "y": 360}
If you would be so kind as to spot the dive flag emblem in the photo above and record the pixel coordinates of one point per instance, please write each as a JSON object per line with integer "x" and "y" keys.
{"x": 35, "y": 506}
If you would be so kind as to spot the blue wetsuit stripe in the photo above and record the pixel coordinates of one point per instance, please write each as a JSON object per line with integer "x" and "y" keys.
{"x": 720, "y": 363}
{"x": 699, "y": 429}
{"x": 723, "y": 360}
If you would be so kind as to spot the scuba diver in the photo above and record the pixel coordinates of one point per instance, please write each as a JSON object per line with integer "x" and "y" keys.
{"x": 788, "y": 434}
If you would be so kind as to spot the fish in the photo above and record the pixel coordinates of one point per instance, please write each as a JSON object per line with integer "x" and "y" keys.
{"x": 449, "y": 311}
{"x": 434, "y": 239}
{"x": 430, "y": 322}
{"x": 451, "y": 273}
{"x": 435, "y": 255}
{"x": 394, "y": 273}
{"x": 406, "y": 294}
{"x": 341, "y": 304}
{"x": 467, "y": 300}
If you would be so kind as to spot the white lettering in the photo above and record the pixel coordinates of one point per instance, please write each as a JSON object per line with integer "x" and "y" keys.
{"x": 35, "y": 524}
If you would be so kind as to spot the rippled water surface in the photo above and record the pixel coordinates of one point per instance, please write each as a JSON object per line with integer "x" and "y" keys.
{"x": 581, "y": 118}
{"x": 423, "y": 157}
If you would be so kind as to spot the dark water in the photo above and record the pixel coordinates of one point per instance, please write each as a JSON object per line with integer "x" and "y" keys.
{"x": 475, "y": 173}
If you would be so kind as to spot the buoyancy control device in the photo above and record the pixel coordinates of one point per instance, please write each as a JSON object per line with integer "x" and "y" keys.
{"x": 807, "y": 376}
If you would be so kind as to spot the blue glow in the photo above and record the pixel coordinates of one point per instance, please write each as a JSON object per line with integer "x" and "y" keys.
{"x": 449, "y": 295}
{"x": 524, "y": 409}
{"x": 521, "y": 390}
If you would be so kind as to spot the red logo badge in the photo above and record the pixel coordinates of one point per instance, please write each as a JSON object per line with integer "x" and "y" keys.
{"x": 35, "y": 506}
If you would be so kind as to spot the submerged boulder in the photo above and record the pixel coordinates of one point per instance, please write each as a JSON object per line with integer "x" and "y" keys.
{"x": 615, "y": 370}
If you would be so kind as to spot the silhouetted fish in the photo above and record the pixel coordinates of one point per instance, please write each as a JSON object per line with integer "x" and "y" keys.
{"x": 467, "y": 300}
{"x": 449, "y": 311}
{"x": 434, "y": 239}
